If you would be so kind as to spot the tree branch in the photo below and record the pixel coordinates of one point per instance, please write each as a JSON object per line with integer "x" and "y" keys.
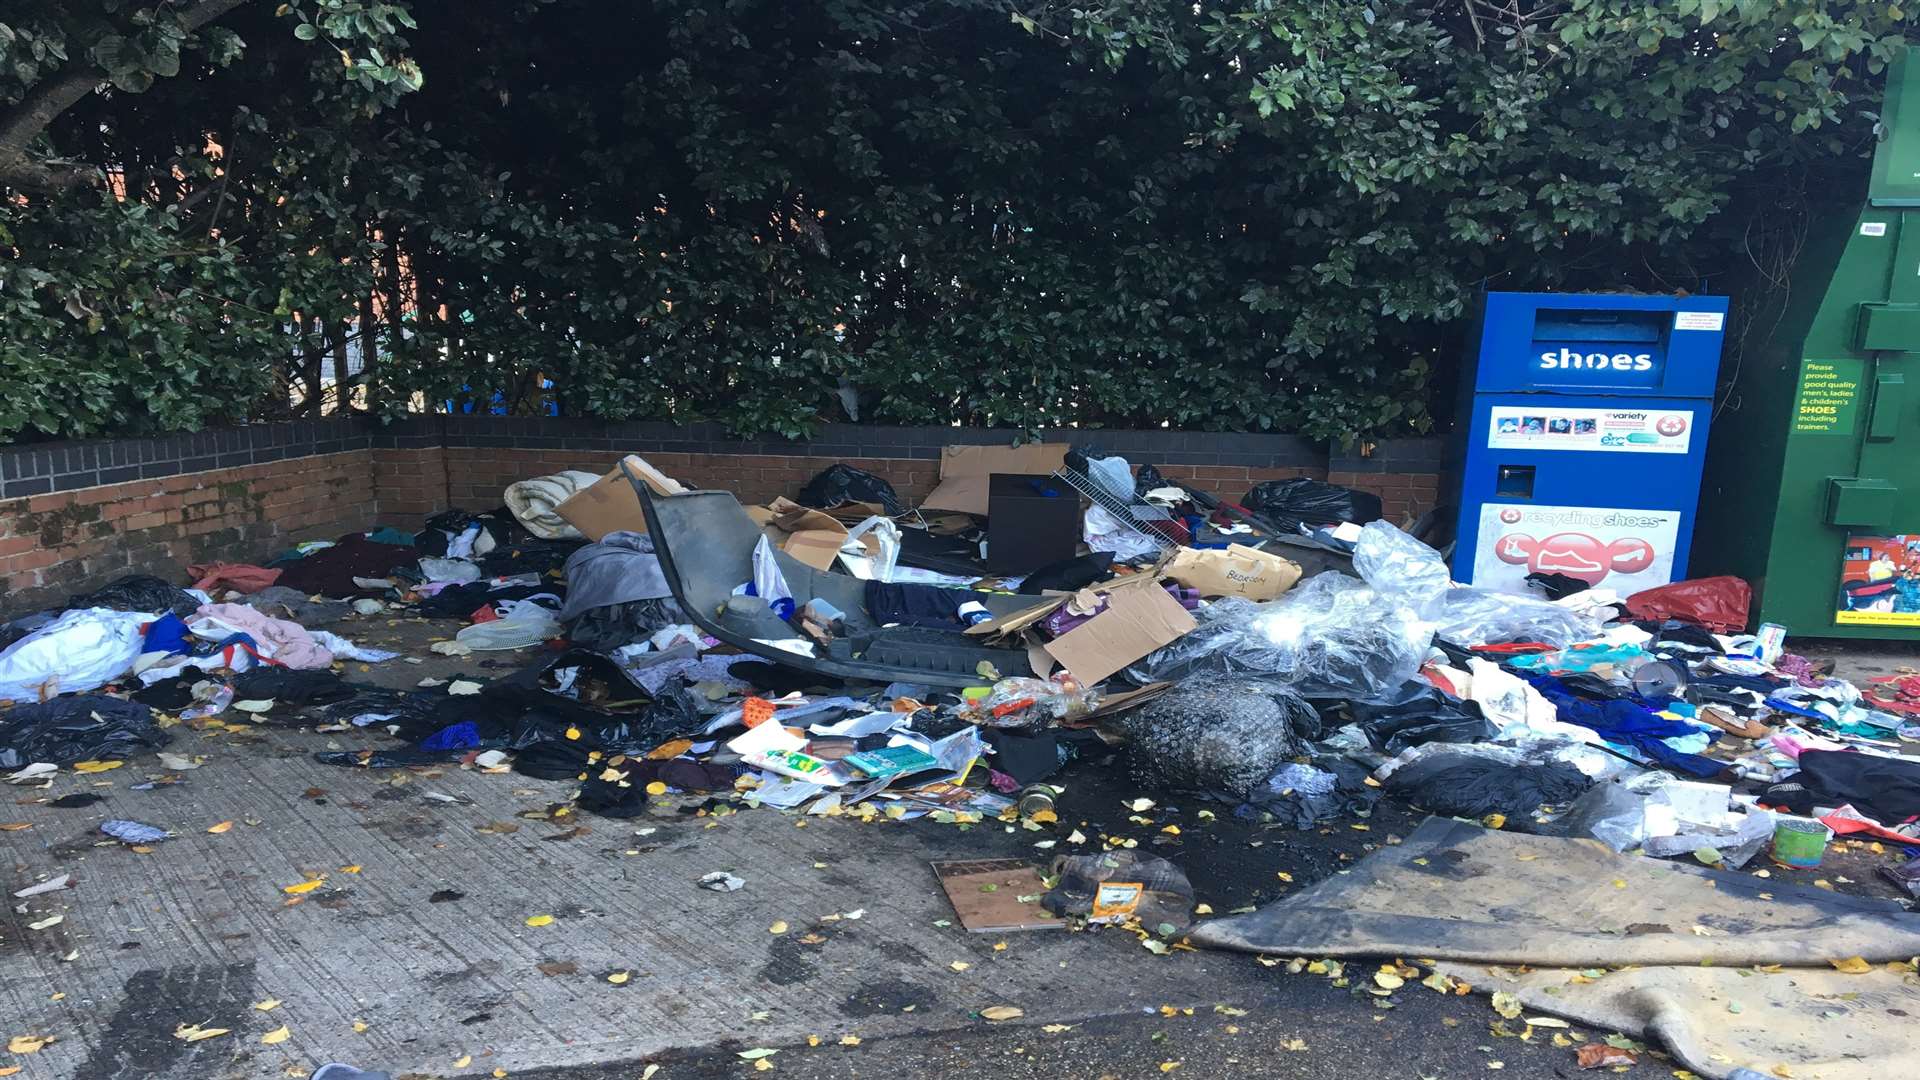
{"x": 23, "y": 123}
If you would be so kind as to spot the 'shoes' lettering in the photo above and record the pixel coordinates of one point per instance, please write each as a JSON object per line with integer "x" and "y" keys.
{"x": 1568, "y": 360}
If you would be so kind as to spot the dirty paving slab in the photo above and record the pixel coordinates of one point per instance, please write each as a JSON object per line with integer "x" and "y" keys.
{"x": 432, "y": 930}
{"x": 369, "y": 967}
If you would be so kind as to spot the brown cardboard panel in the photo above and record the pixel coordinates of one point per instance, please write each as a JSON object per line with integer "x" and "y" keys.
{"x": 964, "y": 471}
{"x": 985, "y": 894}
{"x": 611, "y": 505}
{"x": 1136, "y": 622}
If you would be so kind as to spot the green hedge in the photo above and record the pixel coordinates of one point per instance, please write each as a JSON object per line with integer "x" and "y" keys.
{"x": 1267, "y": 217}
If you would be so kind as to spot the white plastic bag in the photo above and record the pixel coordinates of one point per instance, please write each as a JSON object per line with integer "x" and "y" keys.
{"x": 525, "y": 626}
{"x": 769, "y": 583}
{"x": 877, "y": 568}
{"x": 83, "y": 649}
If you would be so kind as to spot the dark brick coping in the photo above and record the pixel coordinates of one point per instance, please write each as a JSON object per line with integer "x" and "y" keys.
{"x": 63, "y": 466}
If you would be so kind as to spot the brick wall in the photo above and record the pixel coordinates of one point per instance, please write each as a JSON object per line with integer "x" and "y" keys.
{"x": 476, "y": 476}
{"x": 60, "y": 543}
{"x": 484, "y": 455}
{"x": 75, "y": 515}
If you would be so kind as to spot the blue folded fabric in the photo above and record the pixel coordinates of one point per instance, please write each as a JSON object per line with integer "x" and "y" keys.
{"x": 1631, "y": 723}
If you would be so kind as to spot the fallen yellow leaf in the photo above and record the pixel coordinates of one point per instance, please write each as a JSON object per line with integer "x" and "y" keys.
{"x": 1387, "y": 980}
{"x": 194, "y": 1032}
{"x": 303, "y": 887}
{"x": 849, "y": 1040}
{"x": 463, "y": 1061}
{"x": 96, "y": 766}
{"x": 1852, "y": 965}
{"x": 1003, "y": 1012}
{"x": 220, "y": 828}
{"x": 11, "y": 1069}
{"x": 1284, "y": 876}
{"x": 763, "y": 1065}
{"x": 778, "y": 927}
{"x": 619, "y": 978}
{"x": 539, "y": 920}
{"x": 354, "y": 869}
{"x": 1169, "y": 1066}
{"x": 27, "y": 1044}
{"x": 959, "y": 965}
{"x": 813, "y": 1040}
{"x": 360, "y": 1026}
{"x": 276, "y": 1036}
{"x": 656, "y": 788}
{"x": 268, "y": 1005}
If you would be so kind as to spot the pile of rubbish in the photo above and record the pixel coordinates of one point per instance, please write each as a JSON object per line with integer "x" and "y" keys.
{"x": 1287, "y": 657}
{"x": 1291, "y": 658}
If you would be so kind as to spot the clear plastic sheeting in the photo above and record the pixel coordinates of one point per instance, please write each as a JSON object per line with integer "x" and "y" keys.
{"x": 1404, "y": 569}
{"x": 1029, "y": 702}
{"x": 1738, "y": 839}
{"x": 1668, "y": 818}
{"x": 1612, "y": 813}
{"x": 1338, "y": 636}
{"x": 1393, "y": 562}
{"x": 1332, "y": 636}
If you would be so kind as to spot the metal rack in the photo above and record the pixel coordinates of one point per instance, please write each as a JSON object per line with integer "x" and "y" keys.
{"x": 1152, "y": 522}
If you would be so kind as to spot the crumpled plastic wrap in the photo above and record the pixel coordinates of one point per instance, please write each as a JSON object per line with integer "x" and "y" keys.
{"x": 1339, "y": 636}
{"x": 1028, "y": 702}
{"x": 1616, "y": 815}
{"x": 1401, "y": 567}
{"x": 1612, "y": 813}
{"x": 1330, "y": 637}
{"x": 1750, "y": 833}
{"x": 1147, "y": 888}
{"x": 1217, "y": 734}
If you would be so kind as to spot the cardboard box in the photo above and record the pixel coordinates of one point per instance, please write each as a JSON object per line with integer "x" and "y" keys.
{"x": 812, "y": 536}
{"x": 964, "y": 471}
{"x": 1007, "y": 625}
{"x": 611, "y": 505}
{"x": 1136, "y": 622}
{"x": 1236, "y": 571}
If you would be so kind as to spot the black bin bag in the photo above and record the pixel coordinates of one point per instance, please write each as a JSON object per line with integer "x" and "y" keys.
{"x": 837, "y": 485}
{"x": 1301, "y": 503}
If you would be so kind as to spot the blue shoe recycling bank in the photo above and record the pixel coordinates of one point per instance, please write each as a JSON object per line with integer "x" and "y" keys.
{"x": 1587, "y": 437}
